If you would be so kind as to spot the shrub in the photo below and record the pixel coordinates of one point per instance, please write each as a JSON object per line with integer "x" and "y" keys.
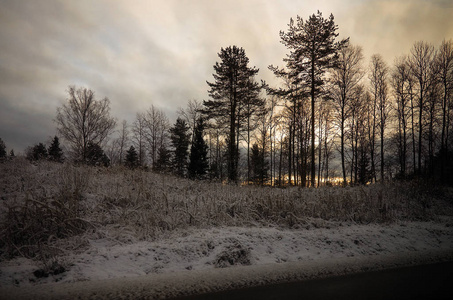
{"x": 43, "y": 214}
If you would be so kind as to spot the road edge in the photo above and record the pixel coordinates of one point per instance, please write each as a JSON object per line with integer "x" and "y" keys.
{"x": 188, "y": 283}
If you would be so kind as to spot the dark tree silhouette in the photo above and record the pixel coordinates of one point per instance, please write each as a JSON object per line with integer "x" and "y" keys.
{"x": 156, "y": 132}
{"x": 163, "y": 159}
{"x": 180, "y": 141}
{"x": 39, "y": 152}
{"x": 2, "y": 149}
{"x": 131, "y": 158}
{"x": 259, "y": 165}
{"x": 234, "y": 84}
{"x": 420, "y": 61}
{"x": 139, "y": 136}
{"x": 84, "y": 120}
{"x": 346, "y": 78}
{"x": 119, "y": 144}
{"x": 400, "y": 81}
{"x": 379, "y": 86}
{"x": 198, "y": 162}
{"x": 444, "y": 63}
{"x": 95, "y": 156}
{"x": 313, "y": 50}
{"x": 55, "y": 153}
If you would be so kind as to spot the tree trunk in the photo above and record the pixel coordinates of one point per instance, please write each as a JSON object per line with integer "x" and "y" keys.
{"x": 313, "y": 167}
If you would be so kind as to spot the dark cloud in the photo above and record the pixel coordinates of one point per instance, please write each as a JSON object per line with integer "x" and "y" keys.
{"x": 143, "y": 53}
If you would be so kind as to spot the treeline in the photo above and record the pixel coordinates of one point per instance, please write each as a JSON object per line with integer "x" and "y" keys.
{"x": 332, "y": 120}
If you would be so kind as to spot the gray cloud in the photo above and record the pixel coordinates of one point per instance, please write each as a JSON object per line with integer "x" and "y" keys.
{"x": 139, "y": 53}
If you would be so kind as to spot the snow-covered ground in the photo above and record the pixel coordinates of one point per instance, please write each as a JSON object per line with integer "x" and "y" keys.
{"x": 119, "y": 233}
{"x": 201, "y": 260}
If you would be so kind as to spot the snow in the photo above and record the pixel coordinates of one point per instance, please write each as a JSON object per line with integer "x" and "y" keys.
{"x": 196, "y": 260}
{"x": 146, "y": 235}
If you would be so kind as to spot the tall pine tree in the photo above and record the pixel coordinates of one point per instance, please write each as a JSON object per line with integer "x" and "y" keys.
{"x": 198, "y": 164}
{"x": 312, "y": 51}
{"x": 234, "y": 85}
{"x": 180, "y": 142}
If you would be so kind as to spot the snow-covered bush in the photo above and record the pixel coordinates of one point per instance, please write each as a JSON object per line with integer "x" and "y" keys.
{"x": 43, "y": 204}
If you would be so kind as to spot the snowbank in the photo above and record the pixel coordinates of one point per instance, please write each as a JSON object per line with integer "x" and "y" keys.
{"x": 207, "y": 260}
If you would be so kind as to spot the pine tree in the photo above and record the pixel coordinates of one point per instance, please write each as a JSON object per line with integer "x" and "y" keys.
{"x": 198, "y": 164}
{"x": 312, "y": 51}
{"x": 180, "y": 142}
{"x": 163, "y": 159}
{"x": 11, "y": 154}
{"x": 2, "y": 150}
{"x": 259, "y": 165}
{"x": 131, "y": 158}
{"x": 234, "y": 86}
{"x": 55, "y": 153}
{"x": 39, "y": 152}
{"x": 95, "y": 156}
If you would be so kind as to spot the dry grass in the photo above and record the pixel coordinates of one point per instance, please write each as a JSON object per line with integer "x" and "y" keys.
{"x": 45, "y": 204}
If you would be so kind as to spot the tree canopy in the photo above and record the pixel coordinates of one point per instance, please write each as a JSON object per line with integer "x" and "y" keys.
{"x": 234, "y": 86}
{"x": 84, "y": 120}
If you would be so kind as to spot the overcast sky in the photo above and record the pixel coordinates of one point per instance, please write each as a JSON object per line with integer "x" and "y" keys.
{"x": 139, "y": 53}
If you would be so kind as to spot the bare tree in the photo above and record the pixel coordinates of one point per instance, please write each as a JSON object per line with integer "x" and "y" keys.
{"x": 420, "y": 60}
{"x": 326, "y": 139}
{"x": 117, "y": 149}
{"x": 273, "y": 119}
{"x": 83, "y": 120}
{"x": 444, "y": 62}
{"x": 346, "y": 78}
{"x": 139, "y": 137}
{"x": 363, "y": 172}
{"x": 356, "y": 110}
{"x": 123, "y": 139}
{"x": 191, "y": 114}
{"x": 400, "y": 81}
{"x": 157, "y": 126}
{"x": 379, "y": 86}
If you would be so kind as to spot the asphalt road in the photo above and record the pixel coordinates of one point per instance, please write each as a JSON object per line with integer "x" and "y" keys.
{"x": 434, "y": 281}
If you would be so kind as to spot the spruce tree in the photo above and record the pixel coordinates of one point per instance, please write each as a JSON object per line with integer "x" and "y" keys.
{"x": 180, "y": 142}
{"x": 259, "y": 165}
{"x": 131, "y": 158}
{"x": 198, "y": 164}
{"x": 55, "y": 153}
{"x": 163, "y": 159}
{"x": 2, "y": 150}
{"x": 39, "y": 152}
{"x": 95, "y": 156}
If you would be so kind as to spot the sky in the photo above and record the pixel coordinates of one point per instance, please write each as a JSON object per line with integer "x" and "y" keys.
{"x": 141, "y": 53}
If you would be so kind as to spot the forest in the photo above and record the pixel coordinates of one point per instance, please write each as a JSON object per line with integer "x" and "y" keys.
{"x": 331, "y": 121}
